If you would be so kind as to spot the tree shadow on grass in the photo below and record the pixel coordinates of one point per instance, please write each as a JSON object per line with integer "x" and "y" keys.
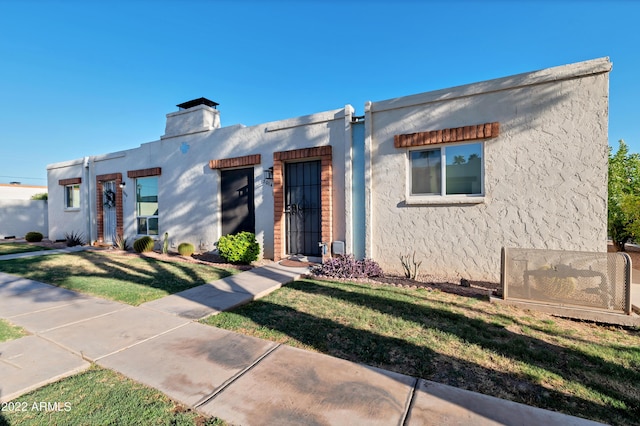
{"x": 170, "y": 277}
{"x": 403, "y": 356}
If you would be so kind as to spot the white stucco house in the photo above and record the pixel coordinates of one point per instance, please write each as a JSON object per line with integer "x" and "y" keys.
{"x": 453, "y": 175}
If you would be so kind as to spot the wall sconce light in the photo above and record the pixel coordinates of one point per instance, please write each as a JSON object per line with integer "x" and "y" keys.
{"x": 268, "y": 176}
{"x": 123, "y": 185}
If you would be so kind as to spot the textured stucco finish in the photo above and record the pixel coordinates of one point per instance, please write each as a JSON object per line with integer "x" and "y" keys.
{"x": 545, "y": 175}
{"x": 188, "y": 189}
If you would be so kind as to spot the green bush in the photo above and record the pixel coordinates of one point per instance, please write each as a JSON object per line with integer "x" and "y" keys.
{"x": 33, "y": 237}
{"x": 42, "y": 196}
{"x": 186, "y": 249}
{"x": 143, "y": 244}
{"x": 241, "y": 247}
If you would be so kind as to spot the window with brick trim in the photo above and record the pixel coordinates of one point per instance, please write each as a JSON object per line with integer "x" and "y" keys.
{"x": 462, "y": 174}
{"x": 147, "y": 205}
{"x": 72, "y": 197}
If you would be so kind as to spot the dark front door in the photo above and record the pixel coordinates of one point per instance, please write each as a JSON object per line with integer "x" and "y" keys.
{"x": 302, "y": 208}
{"x": 238, "y": 212}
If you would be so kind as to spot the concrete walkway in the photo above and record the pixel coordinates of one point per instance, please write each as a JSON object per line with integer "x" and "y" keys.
{"x": 44, "y": 252}
{"x": 241, "y": 379}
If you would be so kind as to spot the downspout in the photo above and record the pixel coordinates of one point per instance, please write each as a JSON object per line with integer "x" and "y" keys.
{"x": 368, "y": 221}
{"x": 348, "y": 178}
{"x": 89, "y": 172}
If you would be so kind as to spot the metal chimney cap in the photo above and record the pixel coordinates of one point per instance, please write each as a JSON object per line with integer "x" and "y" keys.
{"x": 196, "y": 102}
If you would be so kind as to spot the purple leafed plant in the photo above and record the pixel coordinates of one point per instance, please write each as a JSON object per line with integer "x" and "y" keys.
{"x": 348, "y": 266}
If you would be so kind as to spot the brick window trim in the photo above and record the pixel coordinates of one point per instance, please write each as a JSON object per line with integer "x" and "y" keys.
{"x": 304, "y": 153}
{"x": 454, "y": 134}
{"x": 100, "y": 204}
{"x": 140, "y": 173}
{"x": 322, "y": 153}
{"x": 70, "y": 181}
{"x": 227, "y": 163}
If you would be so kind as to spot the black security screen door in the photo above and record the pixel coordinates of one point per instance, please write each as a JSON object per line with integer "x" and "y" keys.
{"x": 302, "y": 207}
{"x": 238, "y": 212}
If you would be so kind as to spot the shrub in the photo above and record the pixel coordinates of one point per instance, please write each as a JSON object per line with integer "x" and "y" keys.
{"x": 33, "y": 237}
{"x": 240, "y": 248}
{"x": 410, "y": 265}
{"x": 552, "y": 284}
{"x": 41, "y": 196}
{"x": 348, "y": 266}
{"x": 74, "y": 238}
{"x": 143, "y": 244}
{"x": 185, "y": 249}
{"x": 120, "y": 242}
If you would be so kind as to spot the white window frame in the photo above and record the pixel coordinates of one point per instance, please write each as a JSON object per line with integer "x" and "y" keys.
{"x": 147, "y": 217}
{"x": 68, "y": 207}
{"x": 443, "y": 198}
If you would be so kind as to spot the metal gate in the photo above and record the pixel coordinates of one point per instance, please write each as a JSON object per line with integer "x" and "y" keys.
{"x": 109, "y": 211}
{"x": 303, "y": 208}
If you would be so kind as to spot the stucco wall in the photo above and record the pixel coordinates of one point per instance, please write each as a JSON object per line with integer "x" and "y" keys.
{"x": 545, "y": 175}
{"x": 62, "y": 221}
{"x": 20, "y": 192}
{"x": 17, "y": 217}
{"x": 188, "y": 198}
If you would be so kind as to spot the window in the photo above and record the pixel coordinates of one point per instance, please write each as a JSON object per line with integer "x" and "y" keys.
{"x": 72, "y": 197}
{"x": 462, "y": 174}
{"x": 147, "y": 205}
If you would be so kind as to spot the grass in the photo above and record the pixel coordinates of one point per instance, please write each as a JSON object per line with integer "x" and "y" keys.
{"x": 129, "y": 279}
{"x": 13, "y": 248}
{"x": 10, "y": 331}
{"x": 577, "y": 368}
{"x": 99, "y": 397}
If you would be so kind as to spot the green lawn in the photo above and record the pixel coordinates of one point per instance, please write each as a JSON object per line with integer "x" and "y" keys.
{"x": 129, "y": 279}
{"x": 12, "y": 248}
{"x": 578, "y": 368}
{"x": 98, "y": 397}
{"x": 10, "y": 331}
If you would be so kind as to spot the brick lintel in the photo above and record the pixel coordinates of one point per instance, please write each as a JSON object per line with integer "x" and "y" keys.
{"x": 226, "y": 163}
{"x": 154, "y": 171}
{"x": 70, "y": 181}
{"x": 455, "y": 134}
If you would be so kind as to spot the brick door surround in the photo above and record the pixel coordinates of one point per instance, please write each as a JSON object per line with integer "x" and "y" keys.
{"x": 100, "y": 203}
{"x": 322, "y": 153}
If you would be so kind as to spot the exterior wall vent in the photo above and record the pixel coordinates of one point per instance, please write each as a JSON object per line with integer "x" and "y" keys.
{"x": 337, "y": 247}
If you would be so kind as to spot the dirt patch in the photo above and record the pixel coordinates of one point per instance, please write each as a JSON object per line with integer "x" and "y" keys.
{"x": 477, "y": 289}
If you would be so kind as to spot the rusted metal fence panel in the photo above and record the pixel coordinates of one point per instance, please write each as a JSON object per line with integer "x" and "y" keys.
{"x": 598, "y": 281}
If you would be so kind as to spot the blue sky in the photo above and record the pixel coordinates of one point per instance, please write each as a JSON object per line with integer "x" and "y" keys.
{"x": 83, "y": 78}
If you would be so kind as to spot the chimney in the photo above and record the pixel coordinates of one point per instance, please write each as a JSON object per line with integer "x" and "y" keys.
{"x": 195, "y": 116}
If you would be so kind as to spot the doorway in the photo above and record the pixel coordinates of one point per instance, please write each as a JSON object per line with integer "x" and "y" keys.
{"x": 303, "y": 208}
{"x": 237, "y": 201}
{"x": 109, "y": 211}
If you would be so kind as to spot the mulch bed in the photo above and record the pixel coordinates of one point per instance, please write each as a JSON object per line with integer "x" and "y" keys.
{"x": 476, "y": 289}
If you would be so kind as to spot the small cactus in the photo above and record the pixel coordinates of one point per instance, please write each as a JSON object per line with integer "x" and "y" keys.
{"x": 186, "y": 249}
{"x": 143, "y": 244}
{"x": 165, "y": 243}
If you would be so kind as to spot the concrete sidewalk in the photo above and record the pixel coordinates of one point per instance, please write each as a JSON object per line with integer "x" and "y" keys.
{"x": 241, "y": 379}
